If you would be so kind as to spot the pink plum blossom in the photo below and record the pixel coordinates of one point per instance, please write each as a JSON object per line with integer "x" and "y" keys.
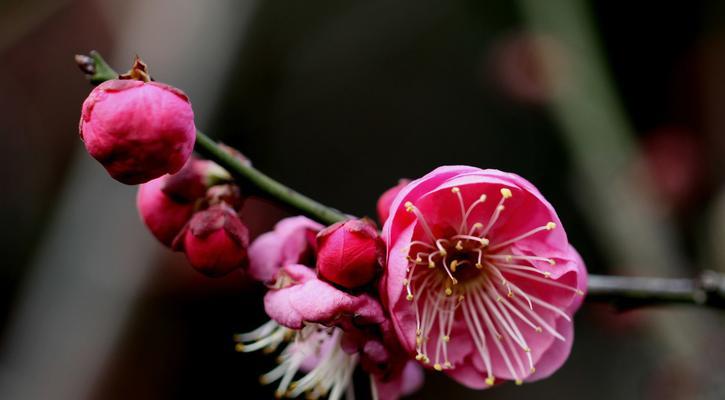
{"x": 349, "y": 252}
{"x": 331, "y": 332}
{"x": 291, "y": 242}
{"x": 138, "y": 130}
{"x": 481, "y": 281}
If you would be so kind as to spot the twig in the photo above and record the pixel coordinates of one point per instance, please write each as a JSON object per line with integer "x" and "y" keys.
{"x": 623, "y": 292}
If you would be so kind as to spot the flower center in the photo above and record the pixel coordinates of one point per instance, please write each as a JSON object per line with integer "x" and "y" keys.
{"x": 468, "y": 274}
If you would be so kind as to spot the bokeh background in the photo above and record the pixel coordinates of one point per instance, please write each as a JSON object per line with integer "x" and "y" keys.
{"x": 615, "y": 110}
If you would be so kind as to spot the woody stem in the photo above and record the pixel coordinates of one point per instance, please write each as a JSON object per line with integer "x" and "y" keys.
{"x": 623, "y": 292}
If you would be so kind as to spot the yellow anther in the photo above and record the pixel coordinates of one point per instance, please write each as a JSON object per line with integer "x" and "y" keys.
{"x": 449, "y": 291}
{"x": 499, "y": 298}
{"x": 510, "y": 294}
{"x": 443, "y": 252}
{"x": 419, "y": 341}
{"x": 506, "y": 193}
{"x": 538, "y": 329}
{"x": 408, "y": 206}
{"x": 278, "y": 394}
{"x": 519, "y": 382}
{"x": 552, "y": 261}
{"x": 461, "y": 297}
{"x": 547, "y": 274}
{"x": 426, "y": 359}
{"x": 550, "y": 226}
{"x": 484, "y": 242}
{"x": 490, "y": 380}
{"x": 454, "y": 265}
{"x": 479, "y": 265}
{"x": 268, "y": 350}
{"x": 409, "y": 297}
{"x": 455, "y": 190}
{"x": 437, "y": 367}
{"x": 431, "y": 264}
{"x": 405, "y": 282}
{"x": 418, "y": 259}
{"x": 509, "y": 258}
{"x": 446, "y": 338}
{"x": 419, "y": 357}
{"x": 500, "y": 208}
{"x": 263, "y": 380}
{"x": 239, "y": 347}
{"x": 454, "y": 281}
{"x": 580, "y": 292}
{"x": 459, "y": 245}
{"x": 482, "y": 199}
{"x": 526, "y": 349}
{"x": 447, "y": 364}
{"x": 533, "y": 369}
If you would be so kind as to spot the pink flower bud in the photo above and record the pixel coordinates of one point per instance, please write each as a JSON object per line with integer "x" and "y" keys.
{"x": 386, "y": 199}
{"x": 167, "y": 203}
{"x": 348, "y": 253}
{"x": 215, "y": 241}
{"x": 138, "y": 130}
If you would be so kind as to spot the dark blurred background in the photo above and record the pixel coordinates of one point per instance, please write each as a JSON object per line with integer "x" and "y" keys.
{"x": 613, "y": 109}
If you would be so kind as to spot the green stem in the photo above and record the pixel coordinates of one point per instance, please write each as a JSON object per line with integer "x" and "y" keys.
{"x": 259, "y": 182}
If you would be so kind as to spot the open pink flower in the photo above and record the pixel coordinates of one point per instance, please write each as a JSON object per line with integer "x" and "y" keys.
{"x": 481, "y": 281}
{"x": 330, "y": 332}
{"x": 291, "y": 242}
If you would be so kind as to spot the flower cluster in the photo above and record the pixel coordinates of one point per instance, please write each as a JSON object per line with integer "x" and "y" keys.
{"x": 472, "y": 274}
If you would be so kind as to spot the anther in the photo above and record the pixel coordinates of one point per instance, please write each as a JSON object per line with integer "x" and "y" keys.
{"x": 405, "y": 282}
{"x": 437, "y": 367}
{"x": 431, "y": 264}
{"x": 490, "y": 380}
{"x": 484, "y": 242}
{"x": 239, "y": 347}
{"x": 518, "y": 382}
{"x": 459, "y": 245}
{"x": 449, "y": 291}
{"x": 538, "y": 329}
{"x": 552, "y": 261}
{"x": 409, "y": 297}
{"x": 454, "y": 265}
{"x": 419, "y": 357}
{"x": 550, "y": 226}
{"x": 455, "y": 190}
{"x": 506, "y": 193}
{"x": 479, "y": 265}
{"x": 446, "y": 338}
{"x": 447, "y": 365}
{"x": 408, "y": 206}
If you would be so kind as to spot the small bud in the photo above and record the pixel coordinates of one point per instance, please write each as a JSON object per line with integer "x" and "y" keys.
{"x": 215, "y": 241}
{"x": 138, "y": 130}
{"x": 348, "y": 253}
{"x": 167, "y": 203}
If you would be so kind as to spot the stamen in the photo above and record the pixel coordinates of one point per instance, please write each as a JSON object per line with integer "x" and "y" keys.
{"x": 505, "y": 194}
{"x": 473, "y": 205}
{"x": 483, "y": 241}
{"x": 479, "y": 338}
{"x": 409, "y": 207}
{"x": 509, "y": 257}
{"x": 464, "y": 224}
{"x": 549, "y": 226}
{"x": 547, "y": 281}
